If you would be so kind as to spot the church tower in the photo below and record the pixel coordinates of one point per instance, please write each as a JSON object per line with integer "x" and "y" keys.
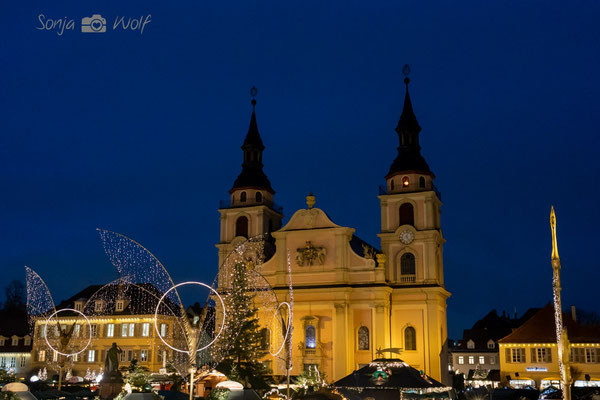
{"x": 250, "y": 210}
{"x": 410, "y": 211}
{"x": 411, "y": 239}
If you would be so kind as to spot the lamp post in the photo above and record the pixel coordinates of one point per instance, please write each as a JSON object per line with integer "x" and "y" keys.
{"x": 191, "y": 371}
{"x": 562, "y": 340}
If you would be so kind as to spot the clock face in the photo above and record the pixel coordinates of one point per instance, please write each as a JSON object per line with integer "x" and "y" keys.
{"x": 407, "y": 237}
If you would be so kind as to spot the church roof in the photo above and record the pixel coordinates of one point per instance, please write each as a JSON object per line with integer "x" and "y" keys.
{"x": 409, "y": 158}
{"x": 408, "y": 119}
{"x": 14, "y": 322}
{"x": 252, "y": 175}
{"x": 541, "y": 328}
{"x": 253, "y": 136}
{"x": 358, "y": 246}
{"x": 491, "y": 327}
{"x": 141, "y": 299}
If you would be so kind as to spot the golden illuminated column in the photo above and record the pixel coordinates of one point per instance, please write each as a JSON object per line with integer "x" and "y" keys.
{"x": 380, "y": 334}
{"x": 561, "y": 332}
{"x": 340, "y": 355}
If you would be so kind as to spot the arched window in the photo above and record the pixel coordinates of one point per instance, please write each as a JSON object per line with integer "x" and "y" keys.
{"x": 258, "y": 197}
{"x": 243, "y": 197}
{"x": 241, "y": 227}
{"x": 422, "y": 182}
{"x": 363, "y": 338}
{"x": 410, "y": 338}
{"x": 407, "y": 265}
{"x": 310, "y": 337}
{"x": 405, "y": 181}
{"x": 392, "y": 184}
{"x": 407, "y": 214}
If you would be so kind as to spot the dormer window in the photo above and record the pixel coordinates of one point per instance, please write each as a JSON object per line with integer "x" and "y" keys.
{"x": 470, "y": 344}
{"x": 405, "y": 181}
{"x": 79, "y": 305}
{"x": 491, "y": 344}
{"x": 2, "y": 341}
{"x": 27, "y": 340}
{"x": 98, "y": 306}
{"x": 120, "y": 305}
{"x": 15, "y": 341}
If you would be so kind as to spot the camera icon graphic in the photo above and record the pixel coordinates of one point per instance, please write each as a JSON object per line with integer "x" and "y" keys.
{"x": 94, "y": 24}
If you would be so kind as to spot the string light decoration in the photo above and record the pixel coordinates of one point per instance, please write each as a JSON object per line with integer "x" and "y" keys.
{"x": 42, "y": 374}
{"x": 277, "y": 320}
{"x": 64, "y": 336}
{"x": 196, "y": 343}
{"x": 139, "y": 268}
{"x": 249, "y": 299}
{"x": 562, "y": 339}
{"x": 192, "y": 347}
{"x": 136, "y": 264}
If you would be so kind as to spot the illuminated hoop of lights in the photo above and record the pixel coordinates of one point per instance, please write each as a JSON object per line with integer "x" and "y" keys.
{"x": 165, "y": 295}
{"x": 46, "y": 333}
{"x": 287, "y": 331}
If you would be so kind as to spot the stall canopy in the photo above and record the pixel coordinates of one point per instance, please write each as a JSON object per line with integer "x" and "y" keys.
{"x": 390, "y": 378}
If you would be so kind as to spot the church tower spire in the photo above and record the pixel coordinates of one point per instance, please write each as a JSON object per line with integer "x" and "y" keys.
{"x": 250, "y": 210}
{"x": 252, "y": 175}
{"x": 409, "y": 158}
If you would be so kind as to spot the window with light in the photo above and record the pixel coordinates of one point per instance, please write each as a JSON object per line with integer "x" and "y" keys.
{"x": 146, "y": 329}
{"x": 310, "y": 337}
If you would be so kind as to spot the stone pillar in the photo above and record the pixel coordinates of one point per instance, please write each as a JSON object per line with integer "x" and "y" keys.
{"x": 339, "y": 341}
{"x": 433, "y": 366}
{"x": 381, "y": 334}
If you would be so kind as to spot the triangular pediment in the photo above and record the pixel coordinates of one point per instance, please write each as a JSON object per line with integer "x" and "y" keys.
{"x": 312, "y": 218}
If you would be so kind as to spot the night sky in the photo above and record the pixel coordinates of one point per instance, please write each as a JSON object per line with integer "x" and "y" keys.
{"x": 141, "y": 133}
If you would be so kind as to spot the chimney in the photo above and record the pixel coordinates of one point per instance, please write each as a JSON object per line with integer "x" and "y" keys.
{"x": 573, "y": 314}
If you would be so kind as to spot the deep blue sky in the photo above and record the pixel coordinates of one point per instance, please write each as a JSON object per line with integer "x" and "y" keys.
{"x": 140, "y": 134}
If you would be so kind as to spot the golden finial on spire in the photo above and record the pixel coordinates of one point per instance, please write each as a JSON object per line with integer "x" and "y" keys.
{"x": 553, "y": 227}
{"x": 310, "y": 201}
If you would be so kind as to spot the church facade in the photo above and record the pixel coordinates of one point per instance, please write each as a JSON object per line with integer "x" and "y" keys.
{"x": 350, "y": 298}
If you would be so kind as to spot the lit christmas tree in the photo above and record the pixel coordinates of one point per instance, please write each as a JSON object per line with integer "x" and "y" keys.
{"x": 244, "y": 341}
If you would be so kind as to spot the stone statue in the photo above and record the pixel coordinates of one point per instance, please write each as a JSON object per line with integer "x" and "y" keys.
{"x": 111, "y": 363}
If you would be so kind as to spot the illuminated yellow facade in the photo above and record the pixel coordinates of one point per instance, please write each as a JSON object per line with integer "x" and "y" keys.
{"x": 350, "y": 298}
{"x": 134, "y": 334}
{"x": 529, "y": 355}
{"x": 536, "y": 364}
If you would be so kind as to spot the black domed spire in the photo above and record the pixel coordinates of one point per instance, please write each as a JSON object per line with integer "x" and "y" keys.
{"x": 409, "y": 157}
{"x": 252, "y": 175}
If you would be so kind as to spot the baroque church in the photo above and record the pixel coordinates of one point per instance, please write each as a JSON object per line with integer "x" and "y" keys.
{"x": 352, "y": 302}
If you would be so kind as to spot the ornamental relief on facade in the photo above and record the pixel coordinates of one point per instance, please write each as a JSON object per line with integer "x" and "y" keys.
{"x": 310, "y": 217}
{"x": 310, "y": 255}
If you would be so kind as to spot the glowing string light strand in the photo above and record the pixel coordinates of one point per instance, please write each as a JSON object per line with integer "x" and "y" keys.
{"x": 39, "y": 299}
{"x": 129, "y": 267}
{"x": 46, "y": 333}
{"x": 174, "y": 288}
{"x": 287, "y": 332}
